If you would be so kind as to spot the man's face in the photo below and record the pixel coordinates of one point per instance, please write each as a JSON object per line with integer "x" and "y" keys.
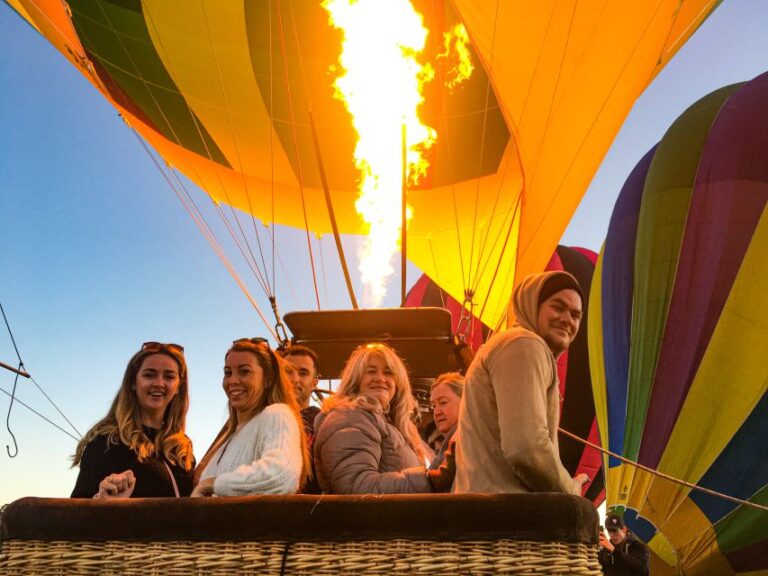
{"x": 559, "y": 319}
{"x": 617, "y": 535}
{"x": 306, "y": 378}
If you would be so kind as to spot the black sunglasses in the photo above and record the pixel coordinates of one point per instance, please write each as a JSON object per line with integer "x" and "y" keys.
{"x": 257, "y": 340}
{"x": 161, "y": 346}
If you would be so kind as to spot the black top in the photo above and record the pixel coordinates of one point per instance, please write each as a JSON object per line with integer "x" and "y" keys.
{"x": 630, "y": 558}
{"x": 100, "y": 459}
{"x": 308, "y": 416}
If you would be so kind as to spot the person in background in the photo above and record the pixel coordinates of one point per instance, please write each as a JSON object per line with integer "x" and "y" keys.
{"x": 510, "y": 411}
{"x": 140, "y": 449}
{"x": 262, "y": 448}
{"x": 366, "y": 441}
{"x": 445, "y": 397}
{"x": 304, "y": 378}
{"x": 621, "y": 554}
{"x": 301, "y": 366}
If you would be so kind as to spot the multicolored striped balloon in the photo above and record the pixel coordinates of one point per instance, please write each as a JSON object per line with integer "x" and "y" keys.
{"x": 679, "y": 338}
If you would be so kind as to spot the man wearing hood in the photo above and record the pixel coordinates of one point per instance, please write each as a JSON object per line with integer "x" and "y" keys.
{"x": 510, "y": 411}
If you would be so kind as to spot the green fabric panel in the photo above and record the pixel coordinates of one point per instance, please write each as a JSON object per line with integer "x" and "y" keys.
{"x": 744, "y": 526}
{"x": 115, "y": 35}
{"x": 666, "y": 198}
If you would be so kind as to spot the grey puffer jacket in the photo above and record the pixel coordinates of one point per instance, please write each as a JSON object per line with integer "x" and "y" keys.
{"x": 358, "y": 451}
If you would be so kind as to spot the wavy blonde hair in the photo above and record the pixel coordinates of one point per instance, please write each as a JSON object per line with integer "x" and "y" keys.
{"x": 277, "y": 390}
{"x": 122, "y": 424}
{"x": 402, "y": 408}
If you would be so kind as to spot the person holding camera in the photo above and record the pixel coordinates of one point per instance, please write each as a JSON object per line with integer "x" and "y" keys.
{"x": 621, "y": 553}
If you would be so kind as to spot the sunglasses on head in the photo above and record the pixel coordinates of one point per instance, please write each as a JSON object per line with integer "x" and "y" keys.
{"x": 259, "y": 340}
{"x": 162, "y": 346}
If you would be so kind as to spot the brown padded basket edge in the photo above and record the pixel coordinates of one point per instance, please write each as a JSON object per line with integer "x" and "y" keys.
{"x": 538, "y": 517}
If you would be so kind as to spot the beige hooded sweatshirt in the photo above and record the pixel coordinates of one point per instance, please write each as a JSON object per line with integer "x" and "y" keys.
{"x": 510, "y": 411}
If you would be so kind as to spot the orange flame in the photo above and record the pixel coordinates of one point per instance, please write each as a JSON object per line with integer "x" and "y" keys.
{"x": 381, "y": 85}
{"x": 456, "y": 42}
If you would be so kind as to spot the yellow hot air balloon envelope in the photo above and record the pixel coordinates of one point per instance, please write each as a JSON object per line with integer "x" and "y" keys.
{"x": 223, "y": 89}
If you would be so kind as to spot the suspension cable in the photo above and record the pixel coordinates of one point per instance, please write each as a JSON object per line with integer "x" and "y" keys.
{"x": 299, "y": 172}
{"x": 685, "y": 483}
{"x": 51, "y": 422}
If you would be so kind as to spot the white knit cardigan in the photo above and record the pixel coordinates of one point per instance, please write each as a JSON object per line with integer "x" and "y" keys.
{"x": 263, "y": 457}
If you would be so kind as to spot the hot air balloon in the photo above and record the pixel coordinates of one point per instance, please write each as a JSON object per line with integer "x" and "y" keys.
{"x": 577, "y": 411}
{"x": 239, "y": 97}
{"x": 679, "y": 338}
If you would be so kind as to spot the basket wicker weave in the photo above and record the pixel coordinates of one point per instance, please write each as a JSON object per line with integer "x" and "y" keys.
{"x": 88, "y": 546}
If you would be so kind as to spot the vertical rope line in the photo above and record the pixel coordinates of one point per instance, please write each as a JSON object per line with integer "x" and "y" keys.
{"x": 251, "y": 263}
{"x": 237, "y": 154}
{"x": 296, "y": 150}
{"x": 482, "y": 142}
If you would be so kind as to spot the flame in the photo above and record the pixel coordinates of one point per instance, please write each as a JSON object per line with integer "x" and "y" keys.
{"x": 456, "y": 41}
{"x": 381, "y": 85}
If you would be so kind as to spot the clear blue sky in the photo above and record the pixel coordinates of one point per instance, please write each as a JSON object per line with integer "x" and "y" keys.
{"x": 97, "y": 254}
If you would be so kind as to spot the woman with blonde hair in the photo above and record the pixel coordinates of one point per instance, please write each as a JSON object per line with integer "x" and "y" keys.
{"x": 365, "y": 438}
{"x": 262, "y": 448}
{"x": 140, "y": 449}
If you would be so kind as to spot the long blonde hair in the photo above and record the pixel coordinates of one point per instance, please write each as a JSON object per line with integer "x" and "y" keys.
{"x": 122, "y": 424}
{"x": 277, "y": 390}
{"x": 402, "y": 408}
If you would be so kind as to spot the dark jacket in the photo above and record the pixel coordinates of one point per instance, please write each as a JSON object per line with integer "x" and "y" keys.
{"x": 630, "y": 558}
{"x": 100, "y": 459}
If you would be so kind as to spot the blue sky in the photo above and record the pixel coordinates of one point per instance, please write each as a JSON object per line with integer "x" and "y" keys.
{"x": 97, "y": 254}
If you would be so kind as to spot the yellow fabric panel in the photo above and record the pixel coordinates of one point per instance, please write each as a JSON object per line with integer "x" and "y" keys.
{"x": 203, "y": 41}
{"x": 596, "y": 365}
{"x": 691, "y": 533}
{"x": 659, "y": 567}
{"x": 737, "y": 349}
{"x": 566, "y": 74}
{"x": 639, "y": 481}
{"x": 439, "y": 252}
{"x": 661, "y": 547}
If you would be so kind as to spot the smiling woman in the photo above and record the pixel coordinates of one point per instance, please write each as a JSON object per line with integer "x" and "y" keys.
{"x": 262, "y": 448}
{"x": 365, "y": 438}
{"x": 139, "y": 449}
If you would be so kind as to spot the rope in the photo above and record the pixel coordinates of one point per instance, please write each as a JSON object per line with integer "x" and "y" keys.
{"x": 13, "y": 394}
{"x": 191, "y": 208}
{"x": 296, "y": 151}
{"x": 51, "y": 422}
{"x": 666, "y": 476}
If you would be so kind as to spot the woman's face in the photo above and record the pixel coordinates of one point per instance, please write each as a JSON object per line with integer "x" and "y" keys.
{"x": 243, "y": 382}
{"x": 157, "y": 382}
{"x": 378, "y": 380}
{"x": 445, "y": 406}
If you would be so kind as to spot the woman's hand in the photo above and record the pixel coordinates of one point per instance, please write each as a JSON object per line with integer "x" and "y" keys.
{"x": 204, "y": 488}
{"x": 117, "y": 486}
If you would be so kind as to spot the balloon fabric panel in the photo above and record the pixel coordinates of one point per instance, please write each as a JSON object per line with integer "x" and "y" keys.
{"x": 727, "y": 201}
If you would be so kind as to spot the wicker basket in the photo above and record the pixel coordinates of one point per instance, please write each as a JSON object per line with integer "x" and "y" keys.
{"x": 329, "y": 537}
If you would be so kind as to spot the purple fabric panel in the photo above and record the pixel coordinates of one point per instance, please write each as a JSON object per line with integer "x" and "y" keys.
{"x": 616, "y": 299}
{"x": 728, "y": 199}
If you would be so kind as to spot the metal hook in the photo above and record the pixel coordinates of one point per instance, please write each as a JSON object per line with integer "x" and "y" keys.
{"x": 8, "y": 418}
{"x": 465, "y": 321}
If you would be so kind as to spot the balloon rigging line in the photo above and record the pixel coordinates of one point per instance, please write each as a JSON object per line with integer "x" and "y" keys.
{"x": 666, "y": 476}
{"x": 501, "y": 256}
{"x": 13, "y": 394}
{"x": 331, "y": 213}
{"x": 554, "y": 95}
{"x": 272, "y": 150}
{"x": 239, "y": 161}
{"x": 296, "y": 150}
{"x": 322, "y": 270}
{"x": 191, "y": 208}
{"x": 592, "y": 127}
{"x": 251, "y": 263}
{"x": 51, "y": 422}
{"x": 481, "y": 157}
